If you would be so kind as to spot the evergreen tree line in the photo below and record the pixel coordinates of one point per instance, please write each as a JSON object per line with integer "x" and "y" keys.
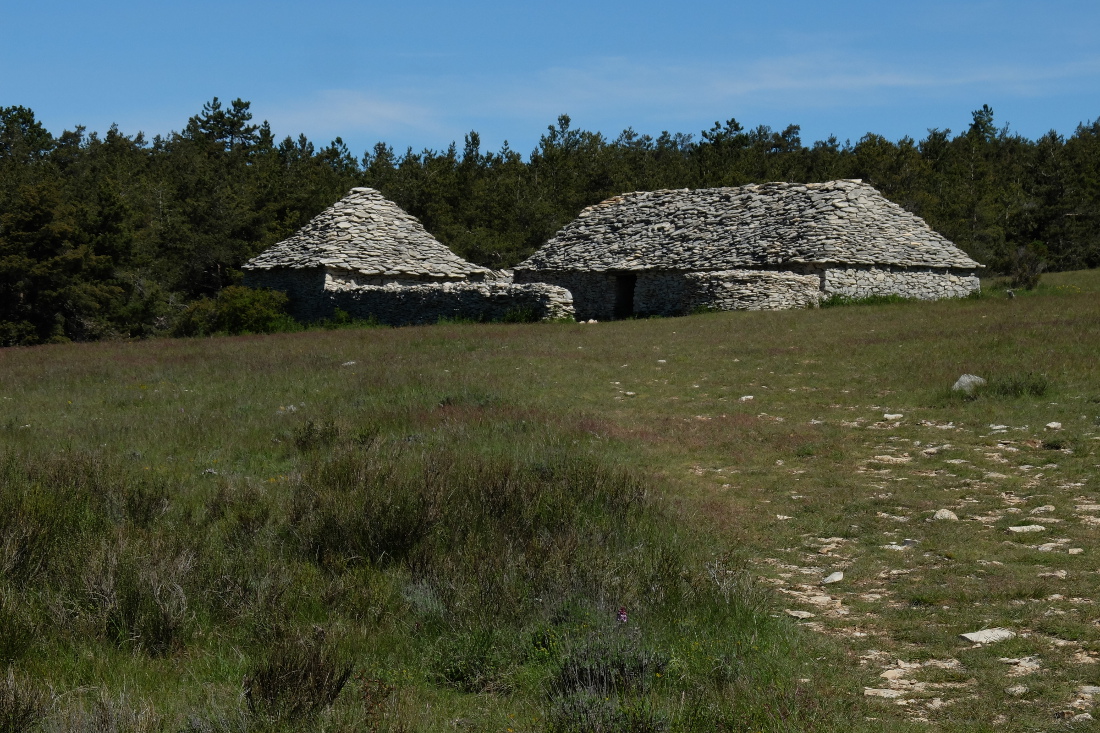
{"x": 112, "y": 235}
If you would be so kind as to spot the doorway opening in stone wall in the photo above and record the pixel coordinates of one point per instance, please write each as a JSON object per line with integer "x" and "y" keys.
{"x": 624, "y": 295}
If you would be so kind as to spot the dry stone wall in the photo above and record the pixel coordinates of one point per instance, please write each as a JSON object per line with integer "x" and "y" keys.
{"x": 593, "y": 293}
{"x": 677, "y": 294}
{"x": 403, "y": 301}
{"x": 926, "y": 284}
{"x": 398, "y": 305}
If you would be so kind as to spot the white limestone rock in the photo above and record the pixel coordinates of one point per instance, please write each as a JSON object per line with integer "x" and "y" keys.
{"x": 968, "y": 383}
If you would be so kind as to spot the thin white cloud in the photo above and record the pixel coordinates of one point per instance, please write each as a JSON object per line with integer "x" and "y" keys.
{"x": 332, "y": 112}
{"x": 819, "y": 80}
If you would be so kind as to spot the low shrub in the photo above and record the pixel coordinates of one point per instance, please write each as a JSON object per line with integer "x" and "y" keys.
{"x": 475, "y": 661}
{"x": 134, "y": 596}
{"x": 1018, "y": 385}
{"x": 587, "y": 713}
{"x": 609, "y": 663}
{"x": 1008, "y": 387}
{"x": 300, "y": 676}
{"x": 107, "y": 714}
{"x": 237, "y": 310}
{"x": 17, "y": 633}
{"x": 22, "y": 705}
{"x": 1028, "y": 264}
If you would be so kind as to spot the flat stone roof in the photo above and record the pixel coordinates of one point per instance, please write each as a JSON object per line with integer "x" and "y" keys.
{"x": 365, "y": 232}
{"x": 844, "y": 222}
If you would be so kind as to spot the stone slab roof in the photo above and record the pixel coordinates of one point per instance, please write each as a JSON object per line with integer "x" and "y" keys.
{"x": 764, "y": 225}
{"x": 366, "y": 233}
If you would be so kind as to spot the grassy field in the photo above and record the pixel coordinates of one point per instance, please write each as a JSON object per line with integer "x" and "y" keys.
{"x": 561, "y": 527}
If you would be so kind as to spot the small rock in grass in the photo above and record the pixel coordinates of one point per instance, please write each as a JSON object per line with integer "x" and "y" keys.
{"x": 1043, "y": 509}
{"x": 889, "y": 416}
{"x": 783, "y": 517}
{"x": 1081, "y": 718}
{"x": 967, "y": 383}
{"x": 630, "y": 394}
{"x": 1088, "y": 690}
{"x": 889, "y": 694}
{"x": 1054, "y": 426}
{"x": 833, "y": 578}
{"x": 988, "y": 636}
{"x": 800, "y": 614}
{"x": 1059, "y": 574}
{"x": 1023, "y": 665}
{"x": 1028, "y": 528}
{"x": 946, "y": 514}
{"x": 746, "y": 398}
{"x": 1016, "y": 690}
{"x": 1075, "y": 550}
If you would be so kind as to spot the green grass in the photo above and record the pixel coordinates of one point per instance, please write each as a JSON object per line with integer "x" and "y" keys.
{"x": 434, "y": 528}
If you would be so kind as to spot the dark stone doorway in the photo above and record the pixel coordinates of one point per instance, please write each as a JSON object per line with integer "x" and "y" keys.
{"x": 624, "y": 295}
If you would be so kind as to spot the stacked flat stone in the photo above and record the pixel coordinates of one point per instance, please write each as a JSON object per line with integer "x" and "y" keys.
{"x": 367, "y": 235}
{"x": 405, "y": 305}
{"x": 761, "y": 226}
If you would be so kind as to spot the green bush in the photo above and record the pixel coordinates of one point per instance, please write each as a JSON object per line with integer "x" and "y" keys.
{"x": 21, "y": 704}
{"x": 299, "y": 677}
{"x": 237, "y": 310}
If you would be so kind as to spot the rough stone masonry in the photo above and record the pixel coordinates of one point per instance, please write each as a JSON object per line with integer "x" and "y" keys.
{"x": 369, "y": 258}
{"x": 766, "y": 246}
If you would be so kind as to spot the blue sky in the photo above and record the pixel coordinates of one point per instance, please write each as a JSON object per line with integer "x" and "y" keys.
{"x": 422, "y": 73}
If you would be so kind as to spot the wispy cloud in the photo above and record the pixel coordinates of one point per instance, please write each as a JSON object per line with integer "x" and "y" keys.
{"x": 809, "y": 80}
{"x": 345, "y": 112}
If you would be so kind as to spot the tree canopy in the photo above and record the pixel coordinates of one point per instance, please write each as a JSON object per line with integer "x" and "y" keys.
{"x": 114, "y": 235}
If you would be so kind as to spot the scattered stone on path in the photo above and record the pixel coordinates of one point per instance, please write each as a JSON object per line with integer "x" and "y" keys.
{"x": 967, "y": 383}
{"x": 1043, "y": 509}
{"x": 800, "y": 614}
{"x": 1028, "y": 528}
{"x": 946, "y": 514}
{"x": 989, "y": 636}
{"x": 889, "y": 694}
{"x": 1059, "y": 574}
{"x": 1022, "y": 665}
{"x": 1088, "y": 690}
{"x": 833, "y": 578}
{"x": 905, "y": 458}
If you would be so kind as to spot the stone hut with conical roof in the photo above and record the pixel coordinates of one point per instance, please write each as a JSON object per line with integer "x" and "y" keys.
{"x": 773, "y": 245}
{"x": 368, "y": 257}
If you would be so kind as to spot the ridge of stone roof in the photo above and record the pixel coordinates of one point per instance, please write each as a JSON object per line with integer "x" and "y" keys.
{"x": 365, "y": 232}
{"x": 760, "y": 225}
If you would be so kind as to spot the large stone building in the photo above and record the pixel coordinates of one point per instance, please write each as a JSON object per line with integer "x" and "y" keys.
{"x": 368, "y": 257}
{"x": 774, "y": 245}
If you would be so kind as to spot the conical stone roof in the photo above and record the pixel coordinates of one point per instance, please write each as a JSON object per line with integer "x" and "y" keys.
{"x": 759, "y": 226}
{"x": 366, "y": 233}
